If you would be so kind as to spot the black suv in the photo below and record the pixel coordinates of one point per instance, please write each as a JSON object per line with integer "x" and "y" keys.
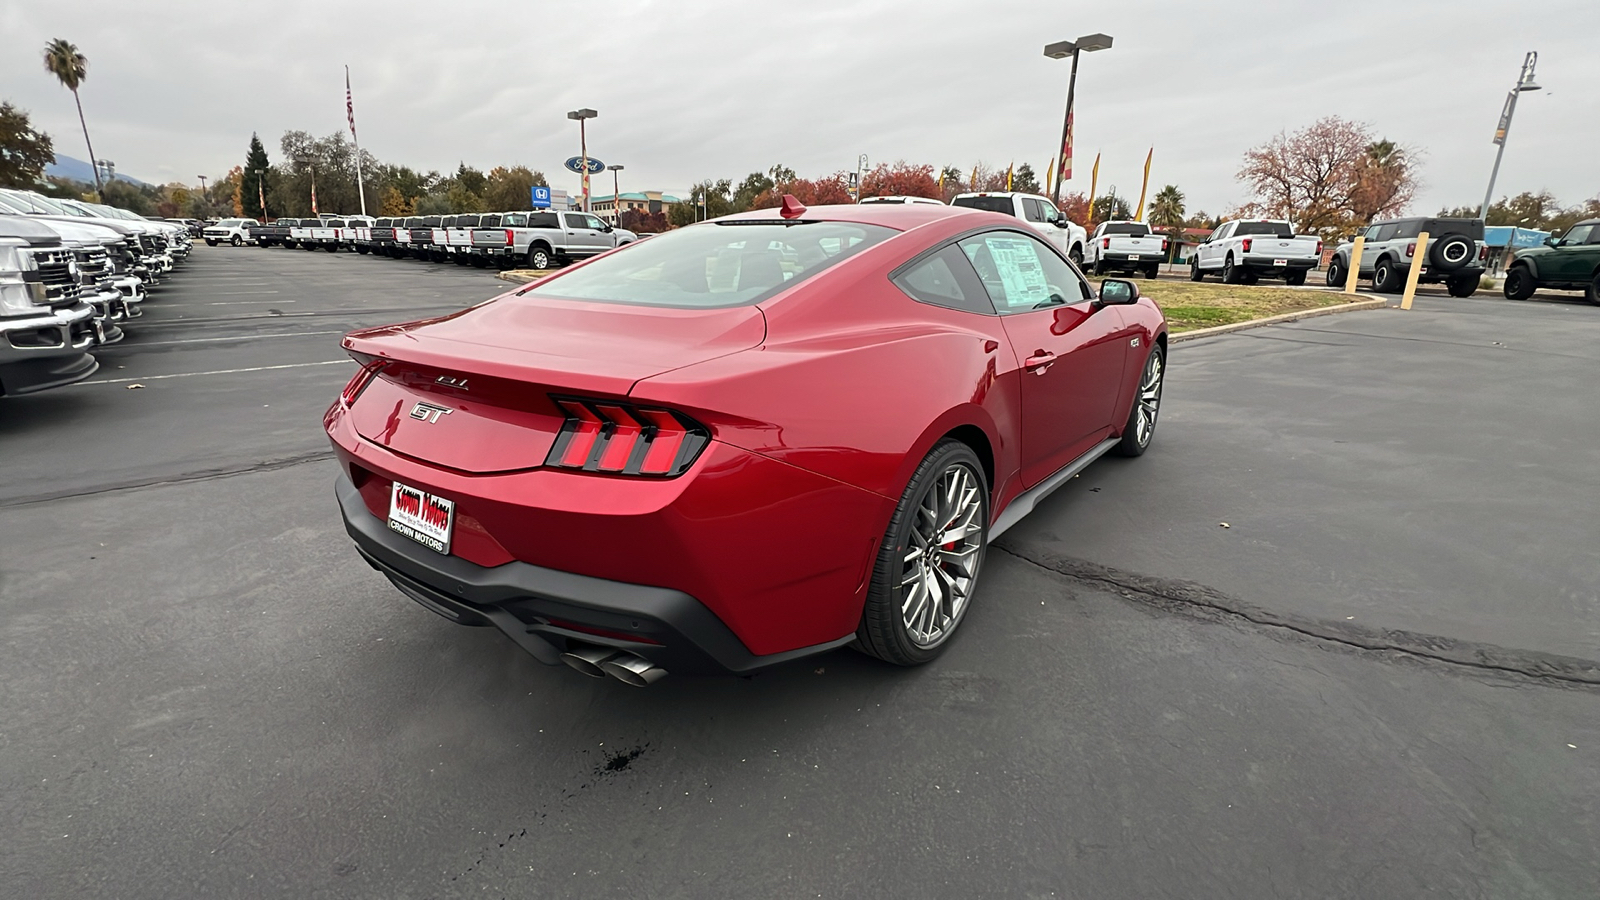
{"x": 1455, "y": 254}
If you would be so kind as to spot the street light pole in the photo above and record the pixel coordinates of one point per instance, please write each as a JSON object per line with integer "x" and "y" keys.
{"x": 583, "y": 115}
{"x": 1060, "y": 50}
{"x": 861, "y": 174}
{"x": 1525, "y": 82}
{"x": 616, "y": 197}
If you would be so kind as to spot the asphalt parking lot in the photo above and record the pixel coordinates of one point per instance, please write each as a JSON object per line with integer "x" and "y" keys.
{"x": 1382, "y": 679}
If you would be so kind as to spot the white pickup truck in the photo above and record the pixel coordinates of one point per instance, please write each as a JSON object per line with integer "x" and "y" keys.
{"x": 1245, "y": 250}
{"x": 1125, "y": 247}
{"x": 544, "y": 240}
{"x": 1038, "y": 212}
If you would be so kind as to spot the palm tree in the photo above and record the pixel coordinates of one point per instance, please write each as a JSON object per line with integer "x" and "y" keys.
{"x": 70, "y": 67}
{"x": 1167, "y": 212}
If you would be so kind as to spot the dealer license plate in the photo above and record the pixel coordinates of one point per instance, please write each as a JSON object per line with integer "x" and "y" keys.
{"x": 1280, "y": 262}
{"x": 1133, "y": 257}
{"x": 421, "y": 516}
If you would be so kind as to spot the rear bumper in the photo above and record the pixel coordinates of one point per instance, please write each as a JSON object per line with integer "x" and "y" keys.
{"x": 547, "y": 611}
{"x": 1115, "y": 260}
{"x": 1268, "y": 264}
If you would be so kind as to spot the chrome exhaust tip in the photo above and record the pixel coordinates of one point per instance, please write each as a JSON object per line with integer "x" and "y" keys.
{"x": 633, "y": 670}
{"x": 588, "y": 660}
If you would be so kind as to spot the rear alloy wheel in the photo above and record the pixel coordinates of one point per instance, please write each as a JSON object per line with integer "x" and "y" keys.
{"x": 1295, "y": 278}
{"x": 1336, "y": 274}
{"x": 235, "y": 240}
{"x": 1462, "y": 285}
{"x": 1230, "y": 272}
{"x": 1194, "y": 271}
{"x": 1520, "y": 283}
{"x": 539, "y": 258}
{"x": 1141, "y": 425}
{"x": 1099, "y": 267}
{"x": 1386, "y": 279}
{"x": 1077, "y": 257}
{"x": 1592, "y": 292}
{"x": 927, "y": 568}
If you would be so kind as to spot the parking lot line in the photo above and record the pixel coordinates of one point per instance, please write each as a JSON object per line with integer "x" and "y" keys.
{"x": 326, "y": 362}
{"x": 237, "y": 293}
{"x": 239, "y": 302}
{"x": 245, "y": 337}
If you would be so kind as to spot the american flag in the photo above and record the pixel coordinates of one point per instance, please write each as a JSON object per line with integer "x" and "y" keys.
{"x": 349, "y": 102}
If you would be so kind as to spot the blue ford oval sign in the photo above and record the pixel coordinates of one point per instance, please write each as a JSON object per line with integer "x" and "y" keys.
{"x": 575, "y": 164}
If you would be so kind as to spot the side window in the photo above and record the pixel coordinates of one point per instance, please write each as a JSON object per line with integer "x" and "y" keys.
{"x": 595, "y": 223}
{"x": 575, "y": 220}
{"x": 1578, "y": 234}
{"x": 1051, "y": 214}
{"x": 1408, "y": 229}
{"x": 1388, "y": 232}
{"x": 1372, "y": 233}
{"x": 1032, "y": 210}
{"x": 945, "y": 279}
{"x": 1594, "y": 236}
{"x": 1020, "y": 273}
{"x": 1223, "y": 232}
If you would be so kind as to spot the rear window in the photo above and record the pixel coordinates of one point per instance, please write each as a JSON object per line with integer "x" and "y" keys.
{"x": 1272, "y": 229}
{"x": 1472, "y": 228}
{"x": 489, "y": 222}
{"x": 431, "y": 221}
{"x": 992, "y": 204}
{"x": 334, "y": 223}
{"x": 543, "y": 220}
{"x": 715, "y": 264}
{"x": 1134, "y": 228}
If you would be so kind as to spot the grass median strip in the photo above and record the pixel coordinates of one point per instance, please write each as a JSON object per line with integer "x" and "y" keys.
{"x": 1190, "y": 305}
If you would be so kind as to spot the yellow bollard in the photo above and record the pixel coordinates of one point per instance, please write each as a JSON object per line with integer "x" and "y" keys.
{"x": 1416, "y": 270}
{"x": 1355, "y": 264}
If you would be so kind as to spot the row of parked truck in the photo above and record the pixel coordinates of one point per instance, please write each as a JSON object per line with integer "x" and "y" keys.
{"x": 535, "y": 239}
{"x": 72, "y": 275}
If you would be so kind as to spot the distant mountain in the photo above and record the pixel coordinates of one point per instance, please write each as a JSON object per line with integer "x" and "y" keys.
{"x": 78, "y": 170}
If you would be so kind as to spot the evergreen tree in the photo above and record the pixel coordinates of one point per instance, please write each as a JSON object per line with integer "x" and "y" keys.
{"x": 252, "y": 189}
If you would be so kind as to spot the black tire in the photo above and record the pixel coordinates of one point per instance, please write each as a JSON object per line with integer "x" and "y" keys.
{"x": 1249, "y": 277}
{"x": 1295, "y": 278}
{"x": 1450, "y": 252}
{"x": 883, "y": 632}
{"x": 1152, "y": 271}
{"x": 1386, "y": 279}
{"x": 1462, "y": 284}
{"x": 331, "y": 248}
{"x": 288, "y": 245}
{"x": 1520, "y": 283}
{"x": 210, "y": 242}
{"x": 1336, "y": 274}
{"x": 1136, "y": 440}
{"x": 1592, "y": 291}
{"x": 1194, "y": 271}
{"x": 478, "y": 262}
{"x": 1099, "y": 267}
{"x": 235, "y": 240}
{"x": 1076, "y": 255}
{"x": 1230, "y": 272}
{"x": 540, "y": 258}
{"x": 361, "y": 249}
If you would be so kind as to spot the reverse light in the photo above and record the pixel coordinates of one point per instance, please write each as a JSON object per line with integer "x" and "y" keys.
{"x": 620, "y": 438}
{"x": 1247, "y": 243}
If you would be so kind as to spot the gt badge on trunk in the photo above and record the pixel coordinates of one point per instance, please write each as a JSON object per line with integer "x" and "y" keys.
{"x": 421, "y": 517}
{"x": 429, "y": 412}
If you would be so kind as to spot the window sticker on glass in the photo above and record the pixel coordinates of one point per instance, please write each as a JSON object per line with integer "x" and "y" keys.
{"x": 1017, "y": 263}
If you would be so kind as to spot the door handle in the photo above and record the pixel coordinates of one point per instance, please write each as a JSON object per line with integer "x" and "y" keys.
{"x": 1039, "y": 361}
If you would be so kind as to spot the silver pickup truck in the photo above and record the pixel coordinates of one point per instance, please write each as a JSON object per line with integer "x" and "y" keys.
{"x": 1245, "y": 250}
{"x": 1125, "y": 247}
{"x": 544, "y": 240}
{"x": 46, "y": 329}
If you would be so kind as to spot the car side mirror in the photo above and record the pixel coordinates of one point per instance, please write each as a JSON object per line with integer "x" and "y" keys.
{"x": 1552, "y": 241}
{"x": 1116, "y": 292}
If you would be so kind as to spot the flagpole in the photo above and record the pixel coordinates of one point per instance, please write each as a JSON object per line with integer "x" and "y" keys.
{"x": 350, "y": 109}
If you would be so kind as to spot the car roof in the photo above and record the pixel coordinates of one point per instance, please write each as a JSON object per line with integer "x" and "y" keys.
{"x": 899, "y": 216}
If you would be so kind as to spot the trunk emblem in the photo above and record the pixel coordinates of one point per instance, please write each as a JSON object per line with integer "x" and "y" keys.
{"x": 429, "y": 412}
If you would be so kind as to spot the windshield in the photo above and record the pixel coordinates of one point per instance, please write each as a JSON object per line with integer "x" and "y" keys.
{"x": 1133, "y": 228}
{"x": 715, "y": 264}
{"x": 992, "y": 204}
{"x": 1272, "y": 229}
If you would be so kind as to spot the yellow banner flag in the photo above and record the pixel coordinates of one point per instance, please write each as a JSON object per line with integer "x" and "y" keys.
{"x": 1008, "y": 175}
{"x": 1094, "y": 182}
{"x": 1138, "y": 214}
{"x": 1050, "y": 178}
{"x": 974, "y": 178}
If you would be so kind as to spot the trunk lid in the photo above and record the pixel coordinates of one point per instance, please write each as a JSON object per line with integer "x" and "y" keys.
{"x": 471, "y": 391}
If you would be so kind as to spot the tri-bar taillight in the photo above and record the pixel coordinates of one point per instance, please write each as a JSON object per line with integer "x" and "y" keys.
{"x": 370, "y": 367}
{"x": 623, "y": 439}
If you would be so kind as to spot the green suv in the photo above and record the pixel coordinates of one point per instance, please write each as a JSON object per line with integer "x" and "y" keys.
{"x": 1570, "y": 262}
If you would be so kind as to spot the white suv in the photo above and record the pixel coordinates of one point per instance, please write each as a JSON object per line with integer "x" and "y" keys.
{"x": 231, "y": 231}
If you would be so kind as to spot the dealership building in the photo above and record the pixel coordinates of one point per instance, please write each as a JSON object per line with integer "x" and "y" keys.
{"x": 606, "y": 206}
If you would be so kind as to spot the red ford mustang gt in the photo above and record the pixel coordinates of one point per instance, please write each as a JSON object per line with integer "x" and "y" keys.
{"x": 741, "y": 442}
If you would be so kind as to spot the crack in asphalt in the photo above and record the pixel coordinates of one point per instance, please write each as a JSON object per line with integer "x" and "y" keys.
{"x": 163, "y": 480}
{"x": 1186, "y": 596}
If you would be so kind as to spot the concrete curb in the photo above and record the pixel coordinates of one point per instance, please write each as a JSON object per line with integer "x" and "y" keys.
{"x": 1198, "y": 333}
{"x": 521, "y": 276}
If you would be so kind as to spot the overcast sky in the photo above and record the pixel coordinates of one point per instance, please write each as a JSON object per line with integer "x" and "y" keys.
{"x": 688, "y": 90}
